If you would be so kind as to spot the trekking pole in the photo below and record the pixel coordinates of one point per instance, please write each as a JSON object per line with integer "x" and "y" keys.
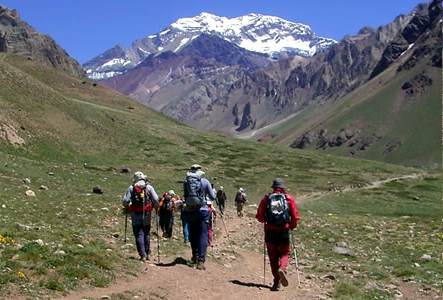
{"x": 224, "y": 225}
{"x": 126, "y": 224}
{"x": 294, "y": 251}
{"x": 227, "y": 233}
{"x": 158, "y": 240}
{"x": 264, "y": 256}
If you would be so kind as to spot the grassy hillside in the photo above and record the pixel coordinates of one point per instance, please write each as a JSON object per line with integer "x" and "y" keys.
{"x": 78, "y": 135}
{"x": 381, "y": 110}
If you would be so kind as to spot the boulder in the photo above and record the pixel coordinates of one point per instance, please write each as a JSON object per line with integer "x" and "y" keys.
{"x": 426, "y": 257}
{"x": 342, "y": 251}
{"x": 125, "y": 169}
{"x": 97, "y": 190}
{"x": 30, "y": 193}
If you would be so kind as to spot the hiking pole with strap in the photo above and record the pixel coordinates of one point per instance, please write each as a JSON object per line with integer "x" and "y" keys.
{"x": 294, "y": 251}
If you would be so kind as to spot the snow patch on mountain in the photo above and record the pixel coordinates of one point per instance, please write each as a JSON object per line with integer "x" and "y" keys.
{"x": 270, "y": 35}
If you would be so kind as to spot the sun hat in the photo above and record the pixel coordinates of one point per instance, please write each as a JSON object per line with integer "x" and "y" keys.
{"x": 278, "y": 183}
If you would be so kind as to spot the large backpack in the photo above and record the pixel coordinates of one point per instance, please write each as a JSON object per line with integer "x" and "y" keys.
{"x": 167, "y": 203}
{"x": 277, "y": 210}
{"x": 194, "y": 196}
{"x": 139, "y": 200}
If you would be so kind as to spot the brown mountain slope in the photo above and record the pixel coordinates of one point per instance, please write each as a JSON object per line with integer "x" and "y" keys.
{"x": 17, "y": 37}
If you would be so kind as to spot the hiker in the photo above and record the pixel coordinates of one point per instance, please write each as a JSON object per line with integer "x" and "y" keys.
{"x": 185, "y": 225}
{"x": 221, "y": 199}
{"x": 166, "y": 213}
{"x": 278, "y": 211}
{"x": 212, "y": 215}
{"x": 140, "y": 199}
{"x": 195, "y": 212}
{"x": 240, "y": 199}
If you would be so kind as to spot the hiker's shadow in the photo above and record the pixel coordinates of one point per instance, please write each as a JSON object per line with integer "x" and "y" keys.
{"x": 176, "y": 261}
{"x": 250, "y": 284}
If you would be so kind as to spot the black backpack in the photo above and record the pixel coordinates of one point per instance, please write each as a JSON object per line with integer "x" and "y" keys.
{"x": 194, "y": 197}
{"x": 277, "y": 210}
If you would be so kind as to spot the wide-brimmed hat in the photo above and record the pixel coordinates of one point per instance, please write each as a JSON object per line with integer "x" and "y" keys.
{"x": 171, "y": 192}
{"x": 278, "y": 183}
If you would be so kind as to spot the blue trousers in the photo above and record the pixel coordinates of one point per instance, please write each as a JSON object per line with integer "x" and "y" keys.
{"x": 185, "y": 226}
{"x": 141, "y": 234}
{"x": 198, "y": 221}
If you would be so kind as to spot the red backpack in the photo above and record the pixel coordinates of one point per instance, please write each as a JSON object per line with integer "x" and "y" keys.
{"x": 139, "y": 200}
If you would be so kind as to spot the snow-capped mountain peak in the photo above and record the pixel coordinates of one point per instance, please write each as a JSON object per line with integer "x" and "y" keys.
{"x": 256, "y": 32}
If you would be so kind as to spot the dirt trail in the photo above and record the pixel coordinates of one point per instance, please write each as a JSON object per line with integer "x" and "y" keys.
{"x": 372, "y": 185}
{"x": 231, "y": 273}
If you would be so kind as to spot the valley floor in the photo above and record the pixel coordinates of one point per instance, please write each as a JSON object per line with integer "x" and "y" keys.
{"x": 235, "y": 268}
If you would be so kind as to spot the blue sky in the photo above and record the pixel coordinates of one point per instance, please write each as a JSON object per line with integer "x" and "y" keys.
{"x": 85, "y": 28}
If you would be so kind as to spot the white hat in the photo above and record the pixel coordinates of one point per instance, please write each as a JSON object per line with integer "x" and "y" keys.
{"x": 221, "y": 187}
{"x": 240, "y": 190}
{"x": 171, "y": 192}
{"x": 196, "y": 167}
{"x": 138, "y": 176}
{"x": 209, "y": 202}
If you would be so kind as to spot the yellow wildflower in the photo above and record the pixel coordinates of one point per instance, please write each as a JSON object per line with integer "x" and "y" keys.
{"x": 21, "y": 275}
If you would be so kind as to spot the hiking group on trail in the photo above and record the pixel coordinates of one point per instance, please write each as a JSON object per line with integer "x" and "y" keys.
{"x": 277, "y": 211}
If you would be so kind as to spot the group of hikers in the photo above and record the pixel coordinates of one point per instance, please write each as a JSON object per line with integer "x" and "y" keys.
{"x": 277, "y": 211}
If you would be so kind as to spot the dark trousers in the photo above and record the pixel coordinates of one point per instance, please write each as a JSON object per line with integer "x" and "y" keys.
{"x": 166, "y": 223}
{"x": 142, "y": 238}
{"x": 221, "y": 205}
{"x": 198, "y": 232}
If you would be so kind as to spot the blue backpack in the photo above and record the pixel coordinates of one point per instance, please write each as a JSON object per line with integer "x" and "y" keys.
{"x": 194, "y": 196}
{"x": 277, "y": 210}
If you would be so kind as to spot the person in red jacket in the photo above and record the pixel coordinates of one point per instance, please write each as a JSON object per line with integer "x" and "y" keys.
{"x": 278, "y": 211}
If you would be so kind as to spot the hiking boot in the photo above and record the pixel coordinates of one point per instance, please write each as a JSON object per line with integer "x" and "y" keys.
{"x": 194, "y": 260}
{"x": 143, "y": 258}
{"x": 201, "y": 266}
{"x": 276, "y": 286}
{"x": 283, "y": 279}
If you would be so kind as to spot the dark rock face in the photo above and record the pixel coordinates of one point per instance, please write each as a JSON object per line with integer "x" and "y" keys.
{"x": 424, "y": 22}
{"x": 17, "y": 37}
{"x": 392, "y": 146}
{"x": 213, "y": 47}
{"x": 417, "y": 85}
{"x": 246, "y": 120}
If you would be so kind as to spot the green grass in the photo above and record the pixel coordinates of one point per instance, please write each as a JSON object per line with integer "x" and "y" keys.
{"x": 388, "y": 230}
{"x": 84, "y": 134}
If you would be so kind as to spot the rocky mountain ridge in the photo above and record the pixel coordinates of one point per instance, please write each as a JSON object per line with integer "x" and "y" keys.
{"x": 18, "y": 37}
{"x": 268, "y": 35}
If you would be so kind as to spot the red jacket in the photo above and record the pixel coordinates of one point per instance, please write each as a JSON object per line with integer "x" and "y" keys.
{"x": 261, "y": 211}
